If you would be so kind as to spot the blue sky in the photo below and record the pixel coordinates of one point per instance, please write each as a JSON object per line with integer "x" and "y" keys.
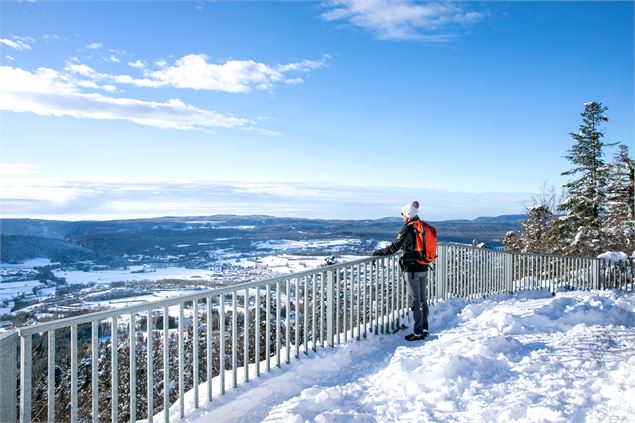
{"x": 342, "y": 109}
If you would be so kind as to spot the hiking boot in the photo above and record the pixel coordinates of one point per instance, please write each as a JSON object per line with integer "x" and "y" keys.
{"x": 417, "y": 336}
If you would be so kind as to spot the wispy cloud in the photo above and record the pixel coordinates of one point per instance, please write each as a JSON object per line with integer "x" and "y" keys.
{"x": 94, "y": 46}
{"x": 118, "y": 198}
{"x": 195, "y": 71}
{"x": 47, "y": 92}
{"x": 17, "y": 169}
{"x": 137, "y": 64}
{"x": 17, "y": 42}
{"x": 402, "y": 19}
{"x": 71, "y": 91}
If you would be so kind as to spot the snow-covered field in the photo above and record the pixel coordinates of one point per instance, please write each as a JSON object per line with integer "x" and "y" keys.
{"x": 312, "y": 244}
{"x": 291, "y": 263}
{"x": 155, "y": 274}
{"x": 528, "y": 357}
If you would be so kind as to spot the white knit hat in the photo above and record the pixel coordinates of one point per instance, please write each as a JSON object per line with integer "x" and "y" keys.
{"x": 411, "y": 209}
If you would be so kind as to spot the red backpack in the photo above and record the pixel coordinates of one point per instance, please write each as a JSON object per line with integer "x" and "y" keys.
{"x": 426, "y": 244}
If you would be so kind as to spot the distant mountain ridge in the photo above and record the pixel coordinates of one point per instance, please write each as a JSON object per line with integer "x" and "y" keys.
{"x": 173, "y": 235}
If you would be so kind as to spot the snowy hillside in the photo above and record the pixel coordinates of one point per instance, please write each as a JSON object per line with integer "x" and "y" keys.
{"x": 524, "y": 357}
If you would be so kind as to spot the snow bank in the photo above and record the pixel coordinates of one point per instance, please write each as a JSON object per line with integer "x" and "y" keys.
{"x": 614, "y": 256}
{"x": 524, "y": 357}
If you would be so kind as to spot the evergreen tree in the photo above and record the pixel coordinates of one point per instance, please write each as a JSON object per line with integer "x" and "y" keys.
{"x": 537, "y": 231}
{"x": 619, "y": 227}
{"x": 580, "y": 230}
{"x": 513, "y": 241}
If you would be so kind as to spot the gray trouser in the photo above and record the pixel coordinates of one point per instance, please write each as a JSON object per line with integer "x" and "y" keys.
{"x": 416, "y": 284}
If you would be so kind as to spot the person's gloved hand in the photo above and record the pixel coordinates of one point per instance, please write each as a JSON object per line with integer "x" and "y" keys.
{"x": 377, "y": 253}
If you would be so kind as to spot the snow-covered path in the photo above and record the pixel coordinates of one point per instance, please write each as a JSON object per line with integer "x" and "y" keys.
{"x": 522, "y": 357}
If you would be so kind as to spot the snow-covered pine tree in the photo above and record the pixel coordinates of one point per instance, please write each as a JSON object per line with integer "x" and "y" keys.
{"x": 537, "y": 231}
{"x": 513, "y": 241}
{"x": 619, "y": 227}
{"x": 580, "y": 229}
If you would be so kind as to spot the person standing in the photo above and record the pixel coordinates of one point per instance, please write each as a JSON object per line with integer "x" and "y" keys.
{"x": 413, "y": 267}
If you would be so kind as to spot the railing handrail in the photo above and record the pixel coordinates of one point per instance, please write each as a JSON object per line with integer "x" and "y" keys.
{"x": 168, "y": 302}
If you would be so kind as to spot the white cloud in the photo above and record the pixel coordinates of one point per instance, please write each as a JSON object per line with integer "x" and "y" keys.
{"x": 50, "y": 37}
{"x": 17, "y": 42}
{"x": 194, "y": 71}
{"x": 46, "y": 92}
{"x": 17, "y": 169}
{"x": 137, "y": 64}
{"x": 10, "y": 58}
{"x": 94, "y": 46}
{"x": 113, "y": 59}
{"x": 402, "y": 19}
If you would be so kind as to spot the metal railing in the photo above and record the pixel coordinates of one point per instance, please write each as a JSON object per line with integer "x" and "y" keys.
{"x": 173, "y": 355}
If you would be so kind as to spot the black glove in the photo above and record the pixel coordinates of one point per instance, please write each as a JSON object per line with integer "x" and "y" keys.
{"x": 377, "y": 253}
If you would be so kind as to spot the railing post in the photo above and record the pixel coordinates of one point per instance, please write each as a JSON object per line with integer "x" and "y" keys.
{"x": 25, "y": 378}
{"x": 329, "y": 308}
{"x": 8, "y": 376}
{"x": 509, "y": 283}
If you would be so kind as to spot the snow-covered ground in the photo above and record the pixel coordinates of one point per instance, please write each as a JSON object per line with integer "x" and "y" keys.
{"x": 526, "y": 357}
{"x": 155, "y": 274}
{"x": 291, "y": 263}
{"x": 312, "y": 244}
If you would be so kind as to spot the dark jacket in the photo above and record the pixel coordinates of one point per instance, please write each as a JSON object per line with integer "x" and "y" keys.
{"x": 406, "y": 241}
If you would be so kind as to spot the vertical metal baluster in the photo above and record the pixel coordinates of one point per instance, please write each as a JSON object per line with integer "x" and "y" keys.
{"x": 338, "y": 311}
{"x": 74, "y": 373}
{"x": 352, "y": 303}
{"x": 389, "y": 295}
{"x": 287, "y": 332}
{"x": 330, "y": 301}
{"x": 181, "y": 364}
{"x": 491, "y": 257}
{"x": 374, "y": 277}
{"x": 222, "y": 348}
{"x": 149, "y": 368}
{"x": 359, "y": 301}
{"x": 246, "y": 335}
{"x": 195, "y": 328}
{"x": 539, "y": 271}
{"x": 166, "y": 364}
{"x": 322, "y": 283}
{"x": 114, "y": 368}
{"x": 393, "y": 297}
{"x": 268, "y": 328}
{"x": 345, "y": 304}
{"x": 305, "y": 314}
{"x": 257, "y": 332}
{"x": 26, "y": 367}
{"x": 314, "y": 307}
{"x": 51, "y": 376}
{"x": 480, "y": 289}
{"x": 208, "y": 349}
{"x": 297, "y": 318}
{"x": 382, "y": 300}
{"x": 133, "y": 368}
{"x": 364, "y": 315}
{"x": 234, "y": 339}
{"x": 278, "y": 324}
{"x": 378, "y": 276}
